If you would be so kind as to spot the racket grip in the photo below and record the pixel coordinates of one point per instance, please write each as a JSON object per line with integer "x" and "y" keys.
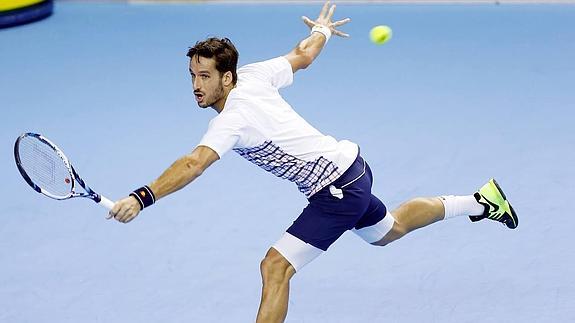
{"x": 106, "y": 203}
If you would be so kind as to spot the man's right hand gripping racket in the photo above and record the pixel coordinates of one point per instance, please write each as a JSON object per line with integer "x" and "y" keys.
{"x": 48, "y": 171}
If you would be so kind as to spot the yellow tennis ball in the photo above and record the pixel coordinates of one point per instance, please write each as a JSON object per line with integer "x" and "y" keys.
{"x": 380, "y": 34}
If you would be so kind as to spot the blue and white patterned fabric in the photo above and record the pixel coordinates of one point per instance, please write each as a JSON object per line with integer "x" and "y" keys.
{"x": 310, "y": 176}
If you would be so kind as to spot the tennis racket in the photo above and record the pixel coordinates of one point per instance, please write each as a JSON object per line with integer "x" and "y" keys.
{"x": 48, "y": 171}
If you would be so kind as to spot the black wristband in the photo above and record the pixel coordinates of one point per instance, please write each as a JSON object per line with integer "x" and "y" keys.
{"x": 144, "y": 196}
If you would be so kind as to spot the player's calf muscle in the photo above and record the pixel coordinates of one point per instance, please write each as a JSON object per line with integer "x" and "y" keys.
{"x": 419, "y": 212}
{"x": 411, "y": 215}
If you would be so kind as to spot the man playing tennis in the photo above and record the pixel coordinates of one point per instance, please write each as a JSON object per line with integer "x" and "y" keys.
{"x": 255, "y": 122}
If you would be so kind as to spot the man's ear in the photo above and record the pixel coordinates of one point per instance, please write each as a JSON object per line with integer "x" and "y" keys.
{"x": 228, "y": 78}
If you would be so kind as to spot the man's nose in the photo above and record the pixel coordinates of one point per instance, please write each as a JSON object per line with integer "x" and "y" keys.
{"x": 196, "y": 83}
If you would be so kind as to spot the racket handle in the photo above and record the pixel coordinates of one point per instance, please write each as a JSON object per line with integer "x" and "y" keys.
{"x": 106, "y": 203}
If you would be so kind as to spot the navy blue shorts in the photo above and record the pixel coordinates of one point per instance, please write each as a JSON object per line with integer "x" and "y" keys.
{"x": 327, "y": 217}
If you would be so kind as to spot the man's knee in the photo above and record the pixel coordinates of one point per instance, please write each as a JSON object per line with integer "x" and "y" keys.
{"x": 275, "y": 268}
{"x": 396, "y": 232}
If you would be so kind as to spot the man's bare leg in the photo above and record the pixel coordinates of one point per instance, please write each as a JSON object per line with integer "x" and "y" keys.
{"x": 276, "y": 273}
{"x": 420, "y": 212}
{"x": 412, "y": 215}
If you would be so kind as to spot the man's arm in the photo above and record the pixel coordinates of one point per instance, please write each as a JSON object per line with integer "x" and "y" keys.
{"x": 182, "y": 172}
{"x": 308, "y": 49}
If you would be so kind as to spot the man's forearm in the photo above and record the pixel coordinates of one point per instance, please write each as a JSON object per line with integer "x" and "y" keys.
{"x": 306, "y": 51}
{"x": 311, "y": 46}
{"x": 182, "y": 172}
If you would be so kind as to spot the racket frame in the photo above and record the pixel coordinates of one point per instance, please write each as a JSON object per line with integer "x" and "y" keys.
{"x": 74, "y": 177}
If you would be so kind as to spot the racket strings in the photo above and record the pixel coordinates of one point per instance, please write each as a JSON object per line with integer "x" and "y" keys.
{"x": 45, "y": 167}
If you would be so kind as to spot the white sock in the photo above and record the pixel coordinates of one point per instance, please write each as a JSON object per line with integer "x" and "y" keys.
{"x": 461, "y": 205}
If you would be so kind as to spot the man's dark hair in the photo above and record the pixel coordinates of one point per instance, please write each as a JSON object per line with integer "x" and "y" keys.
{"x": 222, "y": 50}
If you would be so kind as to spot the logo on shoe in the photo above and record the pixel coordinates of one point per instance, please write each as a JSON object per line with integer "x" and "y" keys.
{"x": 493, "y": 207}
{"x": 493, "y": 212}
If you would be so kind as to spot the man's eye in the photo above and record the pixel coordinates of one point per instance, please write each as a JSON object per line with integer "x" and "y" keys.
{"x": 204, "y": 77}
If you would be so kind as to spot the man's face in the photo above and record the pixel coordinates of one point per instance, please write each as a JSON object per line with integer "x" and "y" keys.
{"x": 207, "y": 81}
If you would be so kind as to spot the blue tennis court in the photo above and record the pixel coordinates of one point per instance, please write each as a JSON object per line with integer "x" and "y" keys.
{"x": 460, "y": 94}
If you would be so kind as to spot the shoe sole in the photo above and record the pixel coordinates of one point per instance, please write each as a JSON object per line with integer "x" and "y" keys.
{"x": 513, "y": 215}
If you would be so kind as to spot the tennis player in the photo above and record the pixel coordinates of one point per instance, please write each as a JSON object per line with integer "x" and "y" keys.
{"x": 254, "y": 121}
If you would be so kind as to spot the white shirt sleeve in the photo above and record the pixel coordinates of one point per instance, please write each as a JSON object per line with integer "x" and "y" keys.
{"x": 276, "y": 71}
{"x": 224, "y": 131}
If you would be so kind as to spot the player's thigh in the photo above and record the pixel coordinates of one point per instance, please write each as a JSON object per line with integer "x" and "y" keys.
{"x": 376, "y": 223}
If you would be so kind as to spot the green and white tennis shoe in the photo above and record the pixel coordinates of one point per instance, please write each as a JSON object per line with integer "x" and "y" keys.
{"x": 497, "y": 207}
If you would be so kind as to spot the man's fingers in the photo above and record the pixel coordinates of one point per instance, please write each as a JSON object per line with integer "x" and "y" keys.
{"x": 324, "y": 9}
{"x": 132, "y": 214}
{"x": 340, "y": 22}
{"x": 125, "y": 210}
{"x": 120, "y": 214}
{"x": 125, "y": 218}
{"x": 128, "y": 213}
{"x": 330, "y": 13}
{"x": 308, "y": 21}
{"x": 124, "y": 213}
{"x": 339, "y": 33}
{"x": 114, "y": 210}
{"x": 130, "y": 218}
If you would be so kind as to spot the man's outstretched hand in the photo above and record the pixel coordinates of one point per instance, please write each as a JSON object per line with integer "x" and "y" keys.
{"x": 324, "y": 19}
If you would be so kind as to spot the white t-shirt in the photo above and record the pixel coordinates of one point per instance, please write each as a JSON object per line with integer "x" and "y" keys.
{"x": 259, "y": 125}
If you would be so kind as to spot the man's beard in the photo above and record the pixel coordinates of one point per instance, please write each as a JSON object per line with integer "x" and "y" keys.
{"x": 218, "y": 94}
